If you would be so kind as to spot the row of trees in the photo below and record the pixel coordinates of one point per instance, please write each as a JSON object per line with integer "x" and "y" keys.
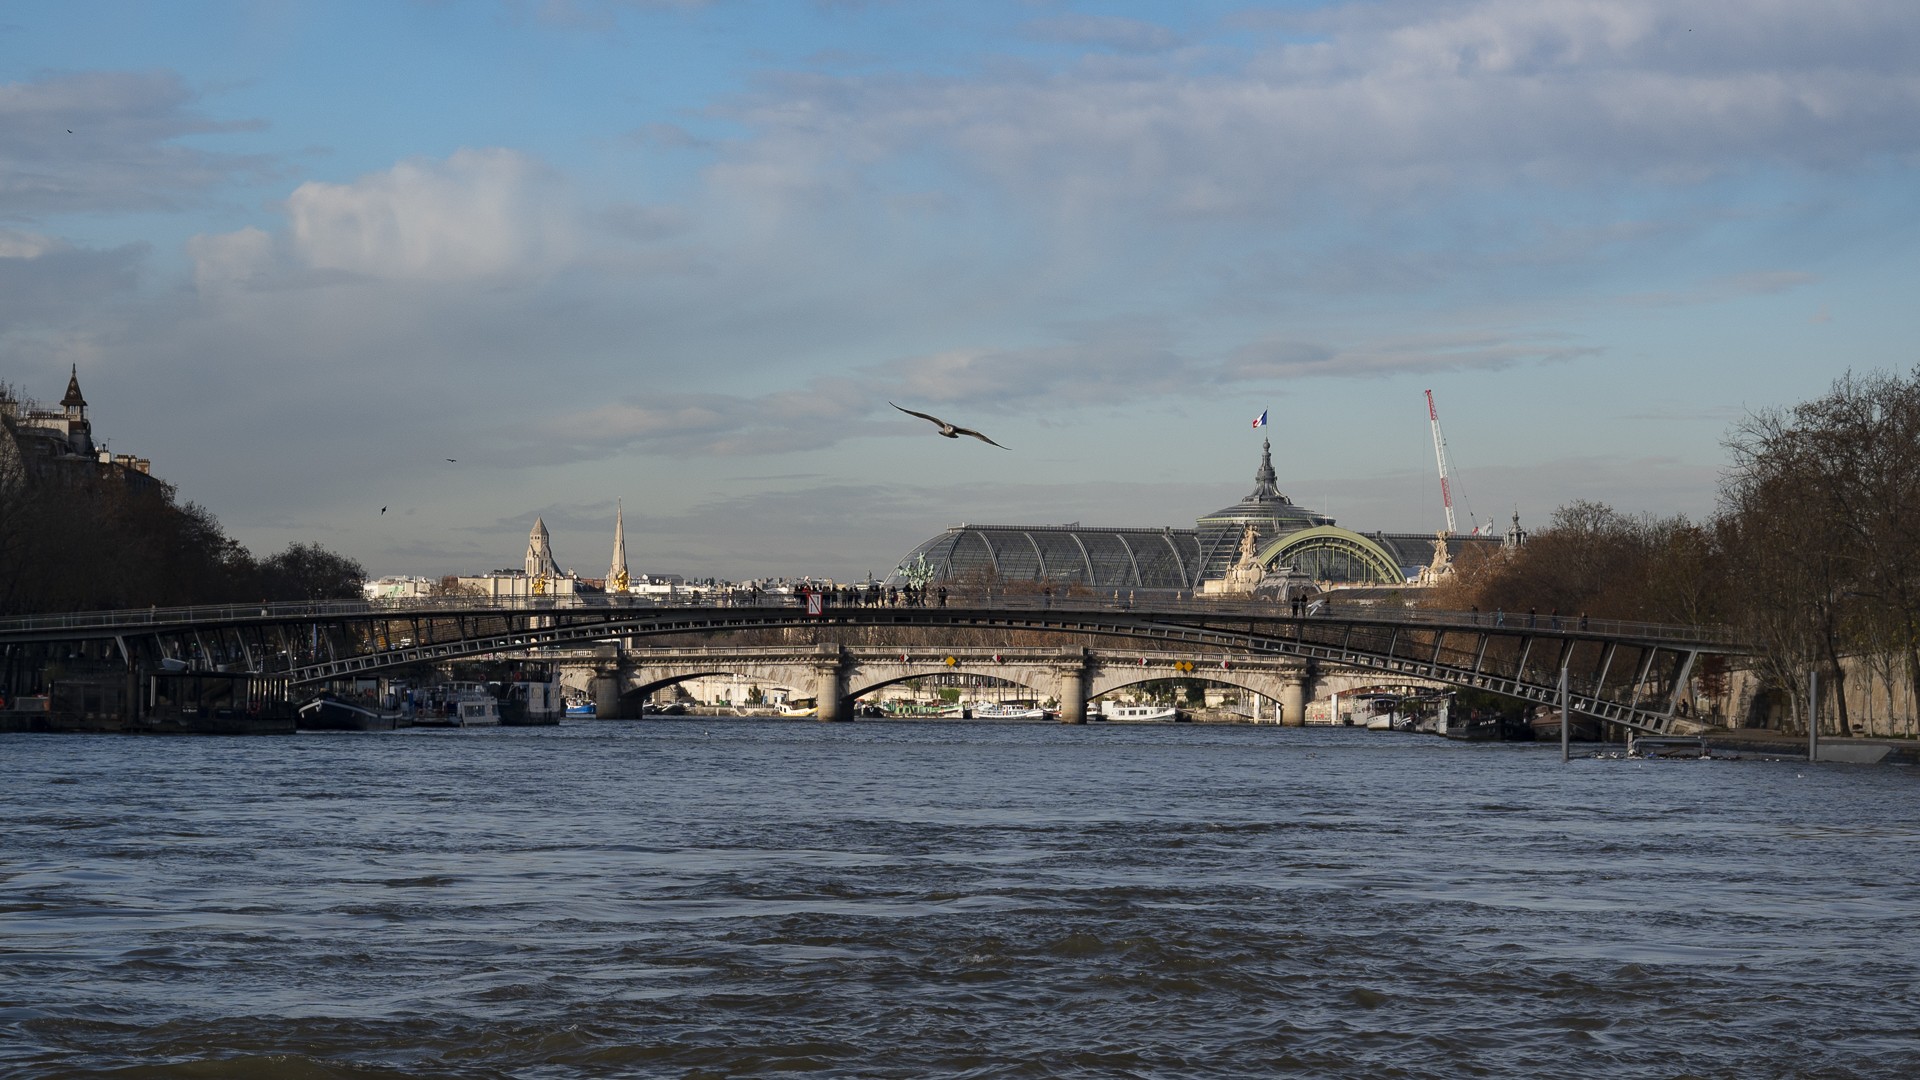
{"x": 1813, "y": 552}
{"x": 89, "y": 546}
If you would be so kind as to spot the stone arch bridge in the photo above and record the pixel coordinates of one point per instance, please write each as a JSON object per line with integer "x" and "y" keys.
{"x": 832, "y": 672}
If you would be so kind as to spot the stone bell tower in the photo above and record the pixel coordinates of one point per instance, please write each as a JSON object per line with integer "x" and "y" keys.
{"x": 539, "y": 562}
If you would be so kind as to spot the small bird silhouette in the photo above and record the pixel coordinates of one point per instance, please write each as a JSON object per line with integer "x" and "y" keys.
{"x": 69, "y": 131}
{"x": 383, "y": 509}
{"x": 453, "y": 459}
{"x": 949, "y": 430}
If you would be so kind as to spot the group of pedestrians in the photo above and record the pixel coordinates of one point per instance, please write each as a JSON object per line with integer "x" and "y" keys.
{"x": 874, "y": 594}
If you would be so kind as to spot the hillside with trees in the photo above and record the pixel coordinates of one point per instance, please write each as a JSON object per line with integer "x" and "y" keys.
{"x": 88, "y": 546}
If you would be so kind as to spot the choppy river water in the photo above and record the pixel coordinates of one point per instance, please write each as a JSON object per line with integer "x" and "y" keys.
{"x": 730, "y": 897}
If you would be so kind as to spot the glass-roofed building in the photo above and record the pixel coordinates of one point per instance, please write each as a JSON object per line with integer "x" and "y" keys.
{"x": 1174, "y": 560}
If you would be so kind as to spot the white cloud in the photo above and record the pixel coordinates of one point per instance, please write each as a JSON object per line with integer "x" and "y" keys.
{"x": 235, "y": 258}
{"x": 1417, "y": 353}
{"x": 479, "y": 214}
{"x": 1393, "y": 98}
{"x": 22, "y": 245}
{"x": 1106, "y": 31}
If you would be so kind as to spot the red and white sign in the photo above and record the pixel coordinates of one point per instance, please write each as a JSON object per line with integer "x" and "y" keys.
{"x": 816, "y": 603}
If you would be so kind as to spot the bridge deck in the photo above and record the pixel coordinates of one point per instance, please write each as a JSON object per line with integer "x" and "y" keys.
{"x": 1631, "y": 673}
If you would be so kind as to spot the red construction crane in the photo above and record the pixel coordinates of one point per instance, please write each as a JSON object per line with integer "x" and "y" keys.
{"x": 1440, "y": 455}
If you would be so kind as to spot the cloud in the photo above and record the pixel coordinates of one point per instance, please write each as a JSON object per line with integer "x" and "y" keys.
{"x": 228, "y": 259}
{"x": 1104, "y": 31}
{"x": 1730, "y": 287}
{"x": 479, "y": 214}
{"x": 95, "y": 142}
{"x": 972, "y": 387}
{"x": 46, "y": 282}
{"x": 975, "y": 385}
{"x": 1413, "y": 354}
{"x": 1390, "y": 99}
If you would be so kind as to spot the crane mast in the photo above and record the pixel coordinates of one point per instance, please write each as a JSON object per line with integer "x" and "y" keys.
{"x": 1440, "y": 455}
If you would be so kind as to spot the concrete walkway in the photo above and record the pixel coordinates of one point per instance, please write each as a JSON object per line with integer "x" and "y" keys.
{"x": 1832, "y": 747}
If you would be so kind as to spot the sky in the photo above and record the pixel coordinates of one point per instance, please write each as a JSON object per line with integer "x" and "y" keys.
{"x": 681, "y": 256}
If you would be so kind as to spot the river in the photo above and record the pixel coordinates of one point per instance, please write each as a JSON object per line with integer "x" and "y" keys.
{"x": 706, "y": 898}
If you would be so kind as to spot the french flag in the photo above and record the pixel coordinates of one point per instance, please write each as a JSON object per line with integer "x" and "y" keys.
{"x": 1261, "y": 420}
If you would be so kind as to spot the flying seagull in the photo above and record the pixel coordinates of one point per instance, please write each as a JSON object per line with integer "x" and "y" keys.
{"x": 947, "y": 429}
{"x": 383, "y": 509}
{"x": 453, "y": 459}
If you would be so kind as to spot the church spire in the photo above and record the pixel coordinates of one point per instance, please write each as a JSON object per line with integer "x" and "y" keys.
{"x": 617, "y": 577}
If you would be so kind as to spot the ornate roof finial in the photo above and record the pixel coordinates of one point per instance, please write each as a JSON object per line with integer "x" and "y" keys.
{"x": 1265, "y": 485}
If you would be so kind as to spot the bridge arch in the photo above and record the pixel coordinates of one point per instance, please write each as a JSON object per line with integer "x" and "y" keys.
{"x": 863, "y": 688}
{"x": 653, "y": 681}
{"x": 1266, "y": 684}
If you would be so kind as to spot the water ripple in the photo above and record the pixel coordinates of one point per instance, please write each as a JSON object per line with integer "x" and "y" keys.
{"x": 898, "y": 900}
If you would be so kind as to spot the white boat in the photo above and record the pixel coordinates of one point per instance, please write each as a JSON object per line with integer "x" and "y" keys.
{"x": 1001, "y": 710}
{"x": 475, "y": 708}
{"x": 528, "y": 702}
{"x": 1138, "y": 714}
{"x": 461, "y": 705}
{"x": 1386, "y": 712}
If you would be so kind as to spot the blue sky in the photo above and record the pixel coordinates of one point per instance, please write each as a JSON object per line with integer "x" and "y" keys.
{"x": 684, "y": 254}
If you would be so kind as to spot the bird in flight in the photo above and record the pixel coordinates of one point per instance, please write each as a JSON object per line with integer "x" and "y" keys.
{"x": 383, "y": 509}
{"x": 949, "y": 430}
{"x": 453, "y": 459}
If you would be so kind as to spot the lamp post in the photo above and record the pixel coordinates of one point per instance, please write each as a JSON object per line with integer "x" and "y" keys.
{"x": 1566, "y": 739}
{"x": 1813, "y": 715}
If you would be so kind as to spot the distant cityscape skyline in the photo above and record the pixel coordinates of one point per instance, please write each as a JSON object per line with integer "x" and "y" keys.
{"x": 685, "y": 255}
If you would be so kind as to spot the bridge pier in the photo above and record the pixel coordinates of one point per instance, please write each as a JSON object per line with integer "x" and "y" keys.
{"x": 608, "y": 700}
{"x": 830, "y": 685}
{"x": 1293, "y": 701}
{"x": 1073, "y": 682}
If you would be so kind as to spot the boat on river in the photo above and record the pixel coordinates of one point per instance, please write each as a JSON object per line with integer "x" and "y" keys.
{"x": 1138, "y": 714}
{"x": 1002, "y": 710}
{"x": 529, "y": 702}
{"x": 1546, "y": 726}
{"x": 457, "y": 705}
{"x": 1384, "y": 712}
{"x": 333, "y": 714}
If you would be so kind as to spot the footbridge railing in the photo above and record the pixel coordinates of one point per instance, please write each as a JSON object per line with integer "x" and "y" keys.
{"x": 1630, "y": 672}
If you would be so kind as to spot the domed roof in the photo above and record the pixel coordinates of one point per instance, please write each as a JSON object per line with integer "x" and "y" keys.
{"x": 1271, "y": 514}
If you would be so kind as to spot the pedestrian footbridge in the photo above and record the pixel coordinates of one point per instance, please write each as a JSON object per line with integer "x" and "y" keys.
{"x": 1634, "y": 674}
